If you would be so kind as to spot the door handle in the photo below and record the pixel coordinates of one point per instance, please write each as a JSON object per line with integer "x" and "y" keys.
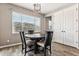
{"x": 62, "y": 31}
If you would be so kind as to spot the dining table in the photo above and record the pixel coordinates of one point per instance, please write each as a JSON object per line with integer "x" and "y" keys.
{"x": 35, "y": 38}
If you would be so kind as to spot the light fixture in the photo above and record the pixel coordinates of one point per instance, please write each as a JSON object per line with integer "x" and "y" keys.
{"x": 37, "y": 8}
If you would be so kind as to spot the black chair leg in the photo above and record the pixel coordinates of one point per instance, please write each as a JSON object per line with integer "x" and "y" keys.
{"x": 45, "y": 51}
{"x": 25, "y": 50}
{"x": 50, "y": 50}
{"x": 22, "y": 48}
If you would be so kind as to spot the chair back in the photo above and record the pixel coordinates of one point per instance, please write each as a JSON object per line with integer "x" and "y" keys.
{"x": 30, "y": 31}
{"x": 22, "y": 37}
{"x": 48, "y": 38}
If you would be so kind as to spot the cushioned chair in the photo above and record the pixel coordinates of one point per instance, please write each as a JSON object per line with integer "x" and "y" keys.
{"x": 25, "y": 43}
{"x": 46, "y": 44}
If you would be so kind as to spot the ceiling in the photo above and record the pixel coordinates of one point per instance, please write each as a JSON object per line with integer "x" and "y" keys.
{"x": 45, "y": 7}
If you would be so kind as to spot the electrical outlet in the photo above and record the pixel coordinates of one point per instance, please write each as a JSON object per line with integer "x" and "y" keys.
{"x": 7, "y": 40}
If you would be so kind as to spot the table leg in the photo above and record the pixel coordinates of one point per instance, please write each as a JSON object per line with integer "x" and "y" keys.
{"x": 36, "y": 47}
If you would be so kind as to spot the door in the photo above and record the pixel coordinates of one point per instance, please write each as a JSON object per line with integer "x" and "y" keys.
{"x": 76, "y": 26}
{"x": 58, "y": 27}
{"x": 71, "y": 37}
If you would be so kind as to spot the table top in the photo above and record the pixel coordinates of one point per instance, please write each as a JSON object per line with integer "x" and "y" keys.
{"x": 35, "y": 35}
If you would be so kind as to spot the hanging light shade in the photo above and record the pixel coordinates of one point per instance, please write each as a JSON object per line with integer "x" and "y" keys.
{"x": 37, "y": 7}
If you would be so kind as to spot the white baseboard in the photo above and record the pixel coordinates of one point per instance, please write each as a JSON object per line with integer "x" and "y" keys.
{"x": 10, "y": 45}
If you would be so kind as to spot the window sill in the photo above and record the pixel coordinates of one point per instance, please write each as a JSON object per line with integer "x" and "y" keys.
{"x": 15, "y": 32}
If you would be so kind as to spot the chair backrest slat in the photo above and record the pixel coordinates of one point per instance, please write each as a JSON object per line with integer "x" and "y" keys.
{"x": 22, "y": 37}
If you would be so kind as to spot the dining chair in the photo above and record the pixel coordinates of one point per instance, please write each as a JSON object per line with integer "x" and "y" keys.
{"x": 25, "y": 43}
{"x": 46, "y": 44}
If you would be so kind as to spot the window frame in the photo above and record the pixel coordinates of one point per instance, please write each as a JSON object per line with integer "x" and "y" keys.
{"x": 15, "y": 32}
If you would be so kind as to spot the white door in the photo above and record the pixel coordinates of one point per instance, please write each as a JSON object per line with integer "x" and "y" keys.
{"x": 58, "y": 27}
{"x": 70, "y": 26}
{"x": 68, "y": 21}
{"x": 76, "y": 26}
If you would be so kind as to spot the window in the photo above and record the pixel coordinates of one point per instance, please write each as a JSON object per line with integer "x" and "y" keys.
{"x": 27, "y": 22}
{"x": 50, "y": 24}
{"x": 24, "y": 22}
{"x": 16, "y": 22}
{"x": 37, "y": 24}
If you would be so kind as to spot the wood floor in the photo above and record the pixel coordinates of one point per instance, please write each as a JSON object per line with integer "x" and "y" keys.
{"x": 64, "y": 50}
{"x": 57, "y": 50}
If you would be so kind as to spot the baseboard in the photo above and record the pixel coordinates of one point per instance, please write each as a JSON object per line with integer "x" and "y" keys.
{"x": 10, "y": 45}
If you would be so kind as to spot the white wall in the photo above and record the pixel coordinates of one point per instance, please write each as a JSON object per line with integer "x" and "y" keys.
{"x": 6, "y": 36}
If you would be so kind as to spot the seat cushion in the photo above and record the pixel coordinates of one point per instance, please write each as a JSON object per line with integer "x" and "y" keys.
{"x": 40, "y": 44}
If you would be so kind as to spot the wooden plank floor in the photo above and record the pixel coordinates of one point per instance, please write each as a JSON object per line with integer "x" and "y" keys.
{"x": 64, "y": 50}
{"x": 57, "y": 50}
